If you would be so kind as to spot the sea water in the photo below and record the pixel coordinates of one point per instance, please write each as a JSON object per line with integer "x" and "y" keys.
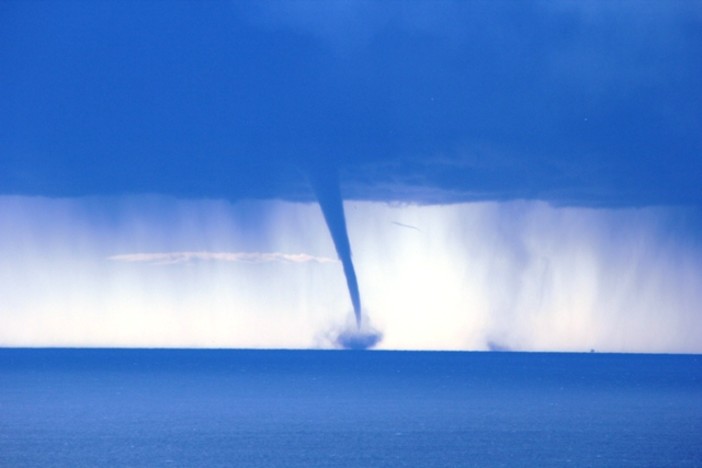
{"x": 108, "y": 407}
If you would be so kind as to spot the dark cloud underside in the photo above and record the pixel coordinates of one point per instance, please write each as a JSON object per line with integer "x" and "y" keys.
{"x": 583, "y": 102}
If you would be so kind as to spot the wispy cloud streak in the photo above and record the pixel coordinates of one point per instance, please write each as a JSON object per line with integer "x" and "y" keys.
{"x": 170, "y": 258}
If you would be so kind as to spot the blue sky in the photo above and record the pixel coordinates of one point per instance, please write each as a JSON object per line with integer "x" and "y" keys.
{"x": 134, "y": 119}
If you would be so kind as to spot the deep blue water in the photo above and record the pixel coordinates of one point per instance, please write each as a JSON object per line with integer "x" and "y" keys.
{"x": 87, "y": 407}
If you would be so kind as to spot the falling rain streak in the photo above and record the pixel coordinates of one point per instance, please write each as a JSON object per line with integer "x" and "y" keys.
{"x": 517, "y": 275}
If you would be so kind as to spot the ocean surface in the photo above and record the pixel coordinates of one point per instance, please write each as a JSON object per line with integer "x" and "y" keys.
{"x": 109, "y": 407}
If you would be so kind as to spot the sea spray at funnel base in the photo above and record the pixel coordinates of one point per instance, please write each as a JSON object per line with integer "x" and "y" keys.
{"x": 325, "y": 183}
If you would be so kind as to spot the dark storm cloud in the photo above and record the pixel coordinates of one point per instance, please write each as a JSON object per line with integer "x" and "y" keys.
{"x": 572, "y": 102}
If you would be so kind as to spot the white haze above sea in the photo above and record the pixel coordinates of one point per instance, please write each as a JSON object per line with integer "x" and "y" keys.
{"x": 152, "y": 271}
